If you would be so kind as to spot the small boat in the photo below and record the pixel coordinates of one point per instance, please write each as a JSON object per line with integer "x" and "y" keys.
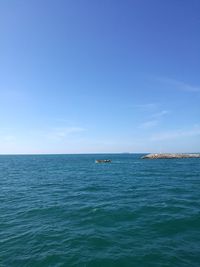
{"x": 103, "y": 161}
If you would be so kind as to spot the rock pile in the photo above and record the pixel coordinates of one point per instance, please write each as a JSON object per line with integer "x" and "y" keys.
{"x": 170, "y": 156}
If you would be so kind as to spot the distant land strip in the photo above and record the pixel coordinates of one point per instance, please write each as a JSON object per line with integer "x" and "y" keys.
{"x": 171, "y": 156}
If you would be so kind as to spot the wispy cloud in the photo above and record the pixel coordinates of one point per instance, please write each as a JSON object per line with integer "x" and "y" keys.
{"x": 148, "y": 124}
{"x": 160, "y": 114}
{"x": 154, "y": 119}
{"x": 194, "y": 131}
{"x": 8, "y": 138}
{"x": 63, "y": 132}
{"x": 146, "y": 106}
{"x": 179, "y": 85}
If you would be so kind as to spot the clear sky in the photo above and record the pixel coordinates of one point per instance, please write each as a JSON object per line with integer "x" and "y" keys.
{"x": 85, "y": 76}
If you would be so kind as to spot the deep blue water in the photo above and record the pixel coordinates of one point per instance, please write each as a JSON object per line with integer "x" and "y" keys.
{"x": 65, "y": 210}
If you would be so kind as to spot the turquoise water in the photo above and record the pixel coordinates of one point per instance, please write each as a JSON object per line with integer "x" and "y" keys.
{"x": 65, "y": 210}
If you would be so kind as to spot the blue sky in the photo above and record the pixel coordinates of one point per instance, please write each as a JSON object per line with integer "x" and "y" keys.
{"x": 99, "y": 76}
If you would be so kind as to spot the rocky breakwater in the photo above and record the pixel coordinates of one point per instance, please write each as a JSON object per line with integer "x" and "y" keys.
{"x": 170, "y": 156}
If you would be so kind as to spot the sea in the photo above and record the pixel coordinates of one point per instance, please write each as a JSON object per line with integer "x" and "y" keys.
{"x": 66, "y": 210}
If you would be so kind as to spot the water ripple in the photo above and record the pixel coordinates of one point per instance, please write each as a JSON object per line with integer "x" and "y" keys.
{"x": 65, "y": 210}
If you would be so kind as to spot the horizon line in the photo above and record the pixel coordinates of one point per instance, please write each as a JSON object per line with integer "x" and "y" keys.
{"x": 92, "y": 153}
